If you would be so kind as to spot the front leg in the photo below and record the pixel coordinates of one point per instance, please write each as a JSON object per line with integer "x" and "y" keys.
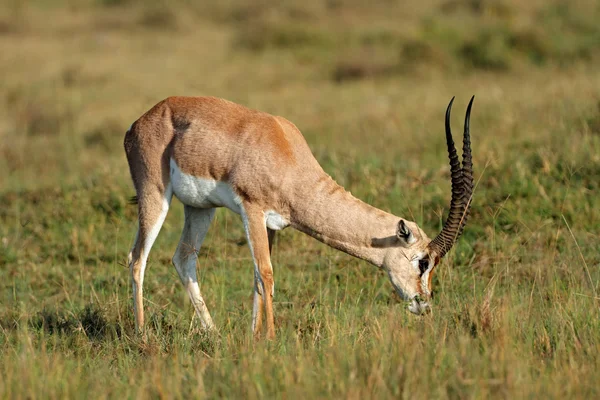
{"x": 257, "y": 309}
{"x": 258, "y": 240}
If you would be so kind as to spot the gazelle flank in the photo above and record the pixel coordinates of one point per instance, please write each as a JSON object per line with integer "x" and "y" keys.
{"x": 210, "y": 153}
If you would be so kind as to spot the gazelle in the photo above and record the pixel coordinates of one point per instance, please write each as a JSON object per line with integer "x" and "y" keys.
{"x": 210, "y": 153}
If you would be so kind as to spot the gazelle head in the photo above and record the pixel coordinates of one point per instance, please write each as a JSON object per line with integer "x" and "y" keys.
{"x": 411, "y": 262}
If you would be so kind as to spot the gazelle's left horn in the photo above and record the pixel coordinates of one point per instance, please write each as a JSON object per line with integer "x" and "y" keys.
{"x": 462, "y": 188}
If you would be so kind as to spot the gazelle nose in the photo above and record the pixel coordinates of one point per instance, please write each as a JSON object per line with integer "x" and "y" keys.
{"x": 419, "y": 307}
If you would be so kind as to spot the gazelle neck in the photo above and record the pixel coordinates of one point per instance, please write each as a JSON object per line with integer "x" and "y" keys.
{"x": 333, "y": 216}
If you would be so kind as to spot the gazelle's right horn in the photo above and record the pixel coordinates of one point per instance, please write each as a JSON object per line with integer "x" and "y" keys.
{"x": 462, "y": 188}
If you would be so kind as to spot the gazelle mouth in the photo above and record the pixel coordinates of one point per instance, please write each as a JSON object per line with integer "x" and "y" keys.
{"x": 418, "y": 307}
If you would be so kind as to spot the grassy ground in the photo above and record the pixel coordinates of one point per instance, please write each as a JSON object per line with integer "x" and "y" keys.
{"x": 516, "y": 312}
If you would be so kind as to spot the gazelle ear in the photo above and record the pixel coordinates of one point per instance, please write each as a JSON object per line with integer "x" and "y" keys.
{"x": 404, "y": 233}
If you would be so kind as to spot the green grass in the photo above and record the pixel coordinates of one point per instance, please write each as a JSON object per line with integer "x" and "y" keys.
{"x": 516, "y": 312}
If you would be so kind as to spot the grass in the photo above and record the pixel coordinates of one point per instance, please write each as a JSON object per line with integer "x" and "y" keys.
{"x": 516, "y": 312}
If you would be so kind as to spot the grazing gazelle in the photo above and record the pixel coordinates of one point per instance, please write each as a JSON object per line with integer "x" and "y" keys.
{"x": 213, "y": 153}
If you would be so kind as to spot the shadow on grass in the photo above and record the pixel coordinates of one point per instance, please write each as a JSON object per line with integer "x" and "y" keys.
{"x": 163, "y": 335}
{"x": 91, "y": 320}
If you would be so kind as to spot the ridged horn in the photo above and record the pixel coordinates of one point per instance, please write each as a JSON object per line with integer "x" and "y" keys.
{"x": 462, "y": 187}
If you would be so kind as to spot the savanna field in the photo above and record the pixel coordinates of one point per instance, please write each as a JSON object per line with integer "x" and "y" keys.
{"x": 516, "y": 308}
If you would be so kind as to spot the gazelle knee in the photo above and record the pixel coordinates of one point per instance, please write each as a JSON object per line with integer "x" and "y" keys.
{"x": 178, "y": 267}
{"x": 136, "y": 271}
{"x": 185, "y": 267}
{"x": 267, "y": 284}
{"x": 266, "y": 275}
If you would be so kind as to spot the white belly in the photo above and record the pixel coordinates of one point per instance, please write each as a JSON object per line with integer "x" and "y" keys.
{"x": 208, "y": 193}
{"x": 202, "y": 192}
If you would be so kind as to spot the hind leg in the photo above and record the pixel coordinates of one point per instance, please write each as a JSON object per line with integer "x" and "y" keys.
{"x": 153, "y": 208}
{"x": 197, "y": 222}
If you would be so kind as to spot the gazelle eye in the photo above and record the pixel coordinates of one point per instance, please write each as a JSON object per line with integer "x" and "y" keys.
{"x": 423, "y": 265}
